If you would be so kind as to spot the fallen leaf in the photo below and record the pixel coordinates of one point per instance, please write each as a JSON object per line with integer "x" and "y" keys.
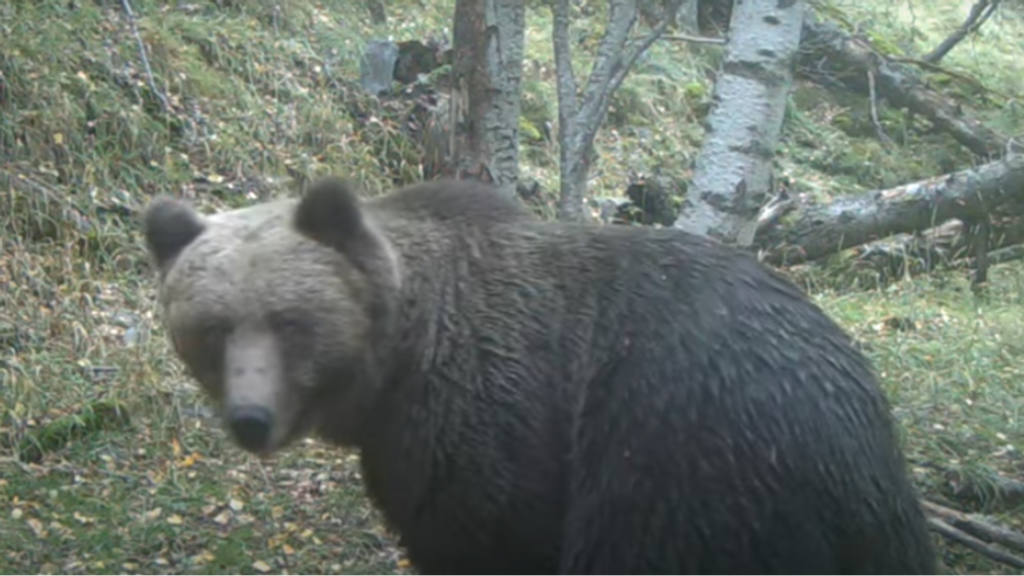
{"x": 82, "y": 518}
{"x": 174, "y": 519}
{"x": 37, "y": 527}
{"x": 189, "y": 460}
{"x": 261, "y": 566}
{"x": 236, "y": 505}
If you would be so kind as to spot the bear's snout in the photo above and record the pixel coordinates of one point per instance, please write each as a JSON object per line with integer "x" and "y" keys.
{"x": 251, "y": 426}
{"x": 256, "y": 408}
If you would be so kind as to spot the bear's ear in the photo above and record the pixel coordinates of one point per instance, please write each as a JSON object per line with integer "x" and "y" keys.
{"x": 169, "y": 226}
{"x": 329, "y": 213}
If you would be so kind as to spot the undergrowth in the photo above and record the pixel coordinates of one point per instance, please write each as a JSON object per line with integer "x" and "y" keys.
{"x": 122, "y": 467}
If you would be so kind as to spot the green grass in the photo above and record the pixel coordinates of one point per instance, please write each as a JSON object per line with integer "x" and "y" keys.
{"x": 123, "y": 471}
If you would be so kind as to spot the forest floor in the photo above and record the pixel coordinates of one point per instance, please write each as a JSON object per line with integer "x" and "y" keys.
{"x": 122, "y": 469}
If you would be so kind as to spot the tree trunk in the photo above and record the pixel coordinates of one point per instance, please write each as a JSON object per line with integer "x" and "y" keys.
{"x": 580, "y": 116}
{"x": 733, "y": 172}
{"x": 489, "y": 37}
{"x": 817, "y": 230}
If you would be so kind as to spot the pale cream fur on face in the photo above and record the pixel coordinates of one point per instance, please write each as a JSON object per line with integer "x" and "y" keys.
{"x": 235, "y": 284}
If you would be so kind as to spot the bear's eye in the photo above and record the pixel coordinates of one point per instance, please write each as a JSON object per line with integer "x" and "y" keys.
{"x": 288, "y": 324}
{"x": 201, "y": 346}
{"x": 202, "y": 334}
{"x": 214, "y": 332}
{"x": 207, "y": 336}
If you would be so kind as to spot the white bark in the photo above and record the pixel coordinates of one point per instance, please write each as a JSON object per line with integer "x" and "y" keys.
{"x": 580, "y": 116}
{"x": 505, "y": 60}
{"x": 733, "y": 170}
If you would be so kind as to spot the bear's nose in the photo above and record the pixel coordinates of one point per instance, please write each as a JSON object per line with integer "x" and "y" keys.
{"x": 250, "y": 426}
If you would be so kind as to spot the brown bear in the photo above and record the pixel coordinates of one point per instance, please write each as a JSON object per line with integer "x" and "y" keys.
{"x": 541, "y": 398}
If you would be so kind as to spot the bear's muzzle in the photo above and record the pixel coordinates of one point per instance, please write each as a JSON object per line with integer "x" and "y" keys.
{"x": 254, "y": 389}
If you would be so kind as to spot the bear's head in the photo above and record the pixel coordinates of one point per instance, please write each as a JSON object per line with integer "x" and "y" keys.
{"x": 276, "y": 309}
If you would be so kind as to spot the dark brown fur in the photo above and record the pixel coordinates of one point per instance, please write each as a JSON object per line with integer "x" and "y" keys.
{"x": 552, "y": 398}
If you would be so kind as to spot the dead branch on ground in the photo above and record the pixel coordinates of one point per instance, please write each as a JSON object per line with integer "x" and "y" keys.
{"x": 831, "y": 57}
{"x": 960, "y": 537}
{"x": 975, "y": 526}
{"x": 811, "y": 231}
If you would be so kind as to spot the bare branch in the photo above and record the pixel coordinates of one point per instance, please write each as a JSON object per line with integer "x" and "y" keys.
{"x": 634, "y": 53}
{"x": 981, "y": 11}
{"x": 621, "y": 17}
{"x": 693, "y": 39}
{"x": 615, "y": 60}
{"x": 565, "y": 76}
{"x": 580, "y": 116}
{"x": 164, "y": 104}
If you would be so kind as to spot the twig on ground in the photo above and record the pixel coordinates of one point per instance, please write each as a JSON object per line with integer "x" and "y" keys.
{"x": 971, "y": 531}
{"x": 973, "y": 525}
{"x": 975, "y": 544}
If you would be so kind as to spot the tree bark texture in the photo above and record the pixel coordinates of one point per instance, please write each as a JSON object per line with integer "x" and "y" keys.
{"x": 734, "y": 167}
{"x": 489, "y": 37}
{"x": 813, "y": 231}
{"x": 581, "y": 115}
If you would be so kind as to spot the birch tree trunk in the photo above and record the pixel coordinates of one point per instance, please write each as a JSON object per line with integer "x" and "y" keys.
{"x": 489, "y": 36}
{"x": 734, "y": 168}
{"x": 581, "y": 115}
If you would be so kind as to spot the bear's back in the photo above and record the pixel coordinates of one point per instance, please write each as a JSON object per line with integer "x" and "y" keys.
{"x": 450, "y": 201}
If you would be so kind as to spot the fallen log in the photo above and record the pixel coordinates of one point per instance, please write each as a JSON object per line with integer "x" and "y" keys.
{"x": 831, "y": 57}
{"x": 808, "y": 231}
{"x": 947, "y": 246}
